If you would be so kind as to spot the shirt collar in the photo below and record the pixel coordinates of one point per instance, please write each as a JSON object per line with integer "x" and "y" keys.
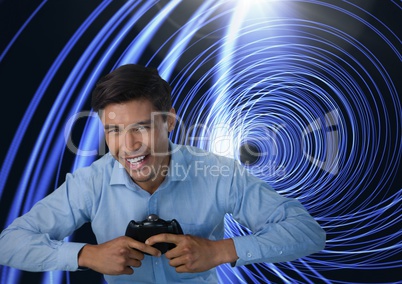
{"x": 120, "y": 175}
{"x": 178, "y": 168}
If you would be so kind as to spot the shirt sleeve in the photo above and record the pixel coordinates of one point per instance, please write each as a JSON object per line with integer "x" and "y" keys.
{"x": 282, "y": 229}
{"x": 37, "y": 241}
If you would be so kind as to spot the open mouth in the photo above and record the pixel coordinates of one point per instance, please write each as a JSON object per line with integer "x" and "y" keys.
{"x": 137, "y": 162}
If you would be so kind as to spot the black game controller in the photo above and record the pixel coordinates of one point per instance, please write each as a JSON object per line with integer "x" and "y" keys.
{"x": 151, "y": 226}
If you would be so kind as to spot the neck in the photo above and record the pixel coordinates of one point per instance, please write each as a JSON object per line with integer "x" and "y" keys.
{"x": 155, "y": 179}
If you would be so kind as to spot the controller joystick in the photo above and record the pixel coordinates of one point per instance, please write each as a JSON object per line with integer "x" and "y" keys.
{"x": 153, "y": 225}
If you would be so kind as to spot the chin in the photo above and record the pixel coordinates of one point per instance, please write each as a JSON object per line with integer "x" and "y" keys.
{"x": 142, "y": 177}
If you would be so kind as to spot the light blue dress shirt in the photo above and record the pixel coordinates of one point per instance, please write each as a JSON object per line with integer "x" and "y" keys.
{"x": 199, "y": 190}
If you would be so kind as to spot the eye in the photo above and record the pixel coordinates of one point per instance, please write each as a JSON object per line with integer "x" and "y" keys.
{"x": 113, "y": 131}
{"x": 142, "y": 128}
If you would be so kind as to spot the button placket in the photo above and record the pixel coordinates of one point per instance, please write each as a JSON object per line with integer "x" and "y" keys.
{"x": 153, "y": 204}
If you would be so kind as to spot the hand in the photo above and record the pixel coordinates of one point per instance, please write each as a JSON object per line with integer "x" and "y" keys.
{"x": 115, "y": 257}
{"x": 195, "y": 254}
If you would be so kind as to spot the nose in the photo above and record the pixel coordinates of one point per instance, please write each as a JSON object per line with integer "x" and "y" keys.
{"x": 132, "y": 141}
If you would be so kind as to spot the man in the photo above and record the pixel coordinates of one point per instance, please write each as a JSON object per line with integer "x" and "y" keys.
{"x": 144, "y": 173}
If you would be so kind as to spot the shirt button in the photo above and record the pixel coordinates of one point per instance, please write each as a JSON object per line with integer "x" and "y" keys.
{"x": 249, "y": 254}
{"x": 280, "y": 252}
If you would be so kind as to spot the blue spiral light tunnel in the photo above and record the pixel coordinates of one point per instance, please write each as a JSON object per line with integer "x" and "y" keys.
{"x": 304, "y": 93}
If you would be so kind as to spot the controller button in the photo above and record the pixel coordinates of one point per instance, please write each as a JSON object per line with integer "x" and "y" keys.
{"x": 153, "y": 218}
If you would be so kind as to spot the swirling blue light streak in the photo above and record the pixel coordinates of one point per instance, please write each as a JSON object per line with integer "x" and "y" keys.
{"x": 135, "y": 51}
{"x": 37, "y": 163}
{"x": 319, "y": 105}
{"x": 17, "y": 34}
{"x": 5, "y": 169}
{"x": 356, "y": 108}
{"x": 185, "y": 34}
{"x": 25, "y": 123}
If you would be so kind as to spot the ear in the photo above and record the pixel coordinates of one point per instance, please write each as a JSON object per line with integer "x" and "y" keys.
{"x": 171, "y": 119}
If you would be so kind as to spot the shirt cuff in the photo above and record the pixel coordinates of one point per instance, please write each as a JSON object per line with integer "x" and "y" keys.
{"x": 247, "y": 249}
{"x": 68, "y": 256}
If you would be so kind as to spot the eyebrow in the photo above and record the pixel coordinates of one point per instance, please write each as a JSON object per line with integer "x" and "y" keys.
{"x": 114, "y": 126}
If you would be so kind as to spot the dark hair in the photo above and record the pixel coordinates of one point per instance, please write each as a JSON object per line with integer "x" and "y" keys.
{"x": 132, "y": 82}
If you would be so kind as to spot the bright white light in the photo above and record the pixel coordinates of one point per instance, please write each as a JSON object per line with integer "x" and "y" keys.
{"x": 258, "y": 9}
{"x": 222, "y": 141}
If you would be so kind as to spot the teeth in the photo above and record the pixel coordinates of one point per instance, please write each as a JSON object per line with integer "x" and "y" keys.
{"x": 136, "y": 160}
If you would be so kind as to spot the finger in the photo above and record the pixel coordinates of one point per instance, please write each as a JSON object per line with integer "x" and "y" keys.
{"x": 144, "y": 248}
{"x": 174, "y": 253}
{"x": 163, "y": 238}
{"x": 182, "y": 264}
{"x": 134, "y": 263}
{"x": 177, "y": 261}
{"x": 183, "y": 269}
{"x": 127, "y": 270}
{"x": 136, "y": 254}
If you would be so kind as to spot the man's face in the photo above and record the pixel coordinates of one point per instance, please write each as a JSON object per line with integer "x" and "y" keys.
{"x": 137, "y": 136}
